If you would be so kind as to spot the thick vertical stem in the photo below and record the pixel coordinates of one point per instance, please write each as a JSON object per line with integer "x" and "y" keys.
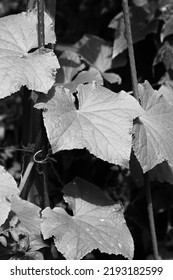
{"x": 151, "y": 217}
{"x": 136, "y": 95}
{"x": 130, "y": 48}
{"x": 41, "y": 38}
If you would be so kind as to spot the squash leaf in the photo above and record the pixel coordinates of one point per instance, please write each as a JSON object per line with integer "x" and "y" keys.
{"x": 102, "y": 123}
{"x": 8, "y": 187}
{"x": 96, "y": 223}
{"x": 153, "y": 130}
{"x": 20, "y": 67}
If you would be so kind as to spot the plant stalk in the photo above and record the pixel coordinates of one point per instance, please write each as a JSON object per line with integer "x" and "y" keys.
{"x": 130, "y": 48}
{"x": 26, "y": 175}
{"x": 151, "y": 217}
{"x": 41, "y": 36}
{"x": 136, "y": 95}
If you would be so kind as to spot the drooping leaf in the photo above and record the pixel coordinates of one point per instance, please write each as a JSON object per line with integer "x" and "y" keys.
{"x": 142, "y": 24}
{"x": 28, "y": 214}
{"x": 8, "y": 188}
{"x": 153, "y": 129}
{"x": 97, "y": 223}
{"x": 18, "y": 66}
{"x": 102, "y": 123}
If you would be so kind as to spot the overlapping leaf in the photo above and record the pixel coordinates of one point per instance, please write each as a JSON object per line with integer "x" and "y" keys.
{"x": 18, "y": 66}
{"x": 8, "y": 187}
{"x": 28, "y": 214}
{"x": 102, "y": 124}
{"x": 96, "y": 223}
{"x": 29, "y": 217}
{"x": 70, "y": 65}
{"x": 153, "y": 130}
{"x": 98, "y": 53}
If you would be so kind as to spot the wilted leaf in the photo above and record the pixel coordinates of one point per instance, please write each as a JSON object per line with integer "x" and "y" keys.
{"x": 28, "y": 214}
{"x": 96, "y": 223}
{"x": 8, "y": 188}
{"x": 18, "y": 66}
{"x": 153, "y": 130}
{"x": 102, "y": 124}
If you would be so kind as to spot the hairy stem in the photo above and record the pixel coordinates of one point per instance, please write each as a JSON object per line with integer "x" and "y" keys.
{"x": 151, "y": 217}
{"x": 136, "y": 95}
{"x": 130, "y": 48}
{"x": 41, "y": 37}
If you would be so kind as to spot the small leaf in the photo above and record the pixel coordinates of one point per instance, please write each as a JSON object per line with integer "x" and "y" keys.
{"x": 95, "y": 51}
{"x": 102, "y": 123}
{"x": 8, "y": 188}
{"x": 33, "y": 256}
{"x": 70, "y": 65}
{"x": 92, "y": 225}
{"x": 85, "y": 77}
{"x": 153, "y": 129}
{"x": 3, "y": 241}
{"x": 18, "y": 67}
{"x": 112, "y": 78}
{"x": 28, "y": 214}
{"x": 14, "y": 235}
{"x": 13, "y": 222}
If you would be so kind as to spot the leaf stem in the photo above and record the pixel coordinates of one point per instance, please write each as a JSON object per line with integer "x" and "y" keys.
{"x": 151, "y": 217}
{"x": 26, "y": 175}
{"x": 41, "y": 37}
{"x": 130, "y": 48}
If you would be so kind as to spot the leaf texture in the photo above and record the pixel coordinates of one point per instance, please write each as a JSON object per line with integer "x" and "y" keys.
{"x": 92, "y": 225}
{"x": 18, "y": 66}
{"x": 28, "y": 214}
{"x": 102, "y": 123}
{"x": 8, "y": 188}
{"x": 153, "y": 129}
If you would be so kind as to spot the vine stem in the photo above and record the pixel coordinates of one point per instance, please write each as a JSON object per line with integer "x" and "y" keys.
{"x": 26, "y": 175}
{"x": 136, "y": 95}
{"x": 151, "y": 217}
{"x": 41, "y": 37}
{"x": 130, "y": 49}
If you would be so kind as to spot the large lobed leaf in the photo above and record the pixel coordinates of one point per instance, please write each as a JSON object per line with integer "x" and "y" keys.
{"x": 102, "y": 123}
{"x": 36, "y": 70}
{"x": 8, "y": 188}
{"x": 96, "y": 223}
{"x": 153, "y": 129}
